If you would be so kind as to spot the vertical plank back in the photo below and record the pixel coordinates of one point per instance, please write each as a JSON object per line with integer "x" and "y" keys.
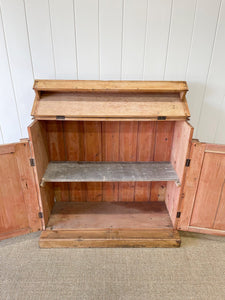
{"x": 74, "y": 147}
{"x": 162, "y": 152}
{"x": 145, "y": 152}
{"x": 93, "y": 152}
{"x": 110, "y": 152}
{"x": 128, "y": 152}
{"x": 57, "y": 152}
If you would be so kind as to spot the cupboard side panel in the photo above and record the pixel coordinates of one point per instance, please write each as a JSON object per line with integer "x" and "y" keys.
{"x": 162, "y": 152}
{"x": 93, "y": 152}
{"x": 180, "y": 151}
{"x": 145, "y": 152}
{"x": 39, "y": 150}
{"x": 56, "y": 147}
{"x": 127, "y": 152}
{"x": 74, "y": 147}
{"x": 110, "y": 152}
{"x": 191, "y": 184}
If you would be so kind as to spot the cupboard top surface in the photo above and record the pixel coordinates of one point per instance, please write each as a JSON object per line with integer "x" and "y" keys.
{"x": 113, "y": 100}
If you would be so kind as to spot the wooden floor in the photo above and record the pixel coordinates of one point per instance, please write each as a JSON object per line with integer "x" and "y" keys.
{"x": 104, "y": 224}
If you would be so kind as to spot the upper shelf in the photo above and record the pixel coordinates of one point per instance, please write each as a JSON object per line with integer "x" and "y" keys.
{"x": 109, "y": 172}
{"x": 110, "y": 100}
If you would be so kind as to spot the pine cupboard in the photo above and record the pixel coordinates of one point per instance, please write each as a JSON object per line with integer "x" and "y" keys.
{"x": 111, "y": 164}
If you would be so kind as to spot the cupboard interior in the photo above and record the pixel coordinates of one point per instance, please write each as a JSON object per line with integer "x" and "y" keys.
{"x": 101, "y": 205}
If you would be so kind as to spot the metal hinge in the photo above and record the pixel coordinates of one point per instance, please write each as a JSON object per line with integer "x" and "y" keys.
{"x": 32, "y": 162}
{"x": 178, "y": 214}
{"x": 60, "y": 117}
{"x": 161, "y": 118}
{"x": 40, "y": 214}
{"x": 188, "y": 161}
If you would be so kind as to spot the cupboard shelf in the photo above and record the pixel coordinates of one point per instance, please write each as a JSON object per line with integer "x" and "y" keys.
{"x": 109, "y": 172}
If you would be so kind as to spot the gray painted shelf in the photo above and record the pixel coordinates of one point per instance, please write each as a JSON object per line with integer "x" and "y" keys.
{"x": 109, "y": 172}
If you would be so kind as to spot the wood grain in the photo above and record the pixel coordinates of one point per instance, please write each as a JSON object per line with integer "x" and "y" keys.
{"x": 103, "y": 239}
{"x": 127, "y": 152}
{"x": 110, "y": 152}
{"x": 191, "y": 184}
{"x": 57, "y": 152}
{"x": 18, "y": 193}
{"x": 74, "y": 147}
{"x": 209, "y": 203}
{"x": 97, "y": 85}
{"x": 39, "y": 151}
{"x": 162, "y": 152}
{"x": 71, "y": 105}
{"x": 145, "y": 152}
{"x": 93, "y": 152}
{"x": 104, "y": 215}
{"x": 181, "y": 146}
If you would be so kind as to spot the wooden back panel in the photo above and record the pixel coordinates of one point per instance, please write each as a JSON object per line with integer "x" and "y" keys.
{"x": 19, "y": 205}
{"x": 109, "y": 141}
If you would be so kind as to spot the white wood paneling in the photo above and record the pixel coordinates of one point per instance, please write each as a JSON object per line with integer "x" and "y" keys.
{"x": 182, "y": 20}
{"x": 121, "y": 39}
{"x": 63, "y": 38}
{"x": 39, "y": 29}
{"x": 15, "y": 28}
{"x": 200, "y": 54}
{"x": 9, "y": 121}
{"x": 1, "y": 136}
{"x": 110, "y": 38}
{"x": 133, "y": 43}
{"x": 211, "y": 111}
{"x": 159, "y": 17}
{"x": 87, "y": 37}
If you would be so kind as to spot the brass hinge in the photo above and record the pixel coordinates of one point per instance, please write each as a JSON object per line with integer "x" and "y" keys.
{"x": 188, "y": 161}
{"x": 178, "y": 214}
{"x": 32, "y": 162}
{"x": 40, "y": 214}
{"x": 161, "y": 118}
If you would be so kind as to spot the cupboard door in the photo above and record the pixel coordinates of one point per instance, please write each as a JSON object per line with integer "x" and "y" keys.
{"x": 203, "y": 205}
{"x": 19, "y": 206}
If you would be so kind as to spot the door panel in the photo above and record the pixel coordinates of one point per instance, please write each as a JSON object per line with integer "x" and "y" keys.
{"x": 18, "y": 196}
{"x": 203, "y": 205}
{"x": 209, "y": 191}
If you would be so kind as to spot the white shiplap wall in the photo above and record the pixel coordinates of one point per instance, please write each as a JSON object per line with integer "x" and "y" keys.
{"x": 113, "y": 39}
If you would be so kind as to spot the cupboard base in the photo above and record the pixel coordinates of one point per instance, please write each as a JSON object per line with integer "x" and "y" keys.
{"x": 106, "y": 224}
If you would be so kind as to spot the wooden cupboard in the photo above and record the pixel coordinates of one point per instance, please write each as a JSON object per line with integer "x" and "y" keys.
{"x": 112, "y": 164}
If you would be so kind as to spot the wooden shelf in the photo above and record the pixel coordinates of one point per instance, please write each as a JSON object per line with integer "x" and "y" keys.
{"x": 109, "y": 172}
{"x": 109, "y": 224}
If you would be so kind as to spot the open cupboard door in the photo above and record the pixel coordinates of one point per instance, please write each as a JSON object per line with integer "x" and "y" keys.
{"x": 19, "y": 207}
{"x": 202, "y": 207}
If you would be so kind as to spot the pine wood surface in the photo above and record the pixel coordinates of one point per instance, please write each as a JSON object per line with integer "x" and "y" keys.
{"x": 97, "y": 85}
{"x": 109, "y": 141}
{"x": 18, "y": 194}
{"x": 100, "y": 215}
